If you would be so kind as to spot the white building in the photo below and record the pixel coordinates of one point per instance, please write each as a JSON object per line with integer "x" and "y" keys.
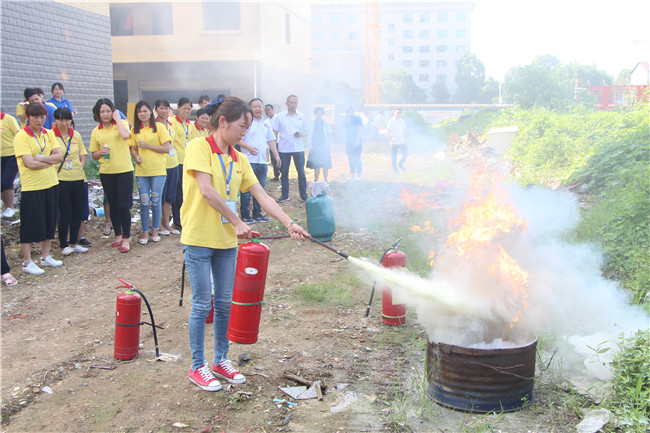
{"x": 425, "y": 39}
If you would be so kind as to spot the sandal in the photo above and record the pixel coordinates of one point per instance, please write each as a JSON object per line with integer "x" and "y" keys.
{"x": 9, "y": 280}
{"x": 107, "y": 229}
{"x": 144, "y": 241}
{"x": 116, "y": 244}
{"x": 124, "y": 249}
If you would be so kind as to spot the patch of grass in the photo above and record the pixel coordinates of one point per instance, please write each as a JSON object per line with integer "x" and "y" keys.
{"x": 337, "y": 292}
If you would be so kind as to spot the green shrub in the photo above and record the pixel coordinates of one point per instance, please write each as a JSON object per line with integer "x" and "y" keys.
{"x": 479, "y": 121}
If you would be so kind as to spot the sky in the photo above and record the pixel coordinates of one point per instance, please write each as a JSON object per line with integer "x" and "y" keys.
{"x": 508, "y": 33}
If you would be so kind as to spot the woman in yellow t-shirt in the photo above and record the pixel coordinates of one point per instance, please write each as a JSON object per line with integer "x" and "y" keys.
{"x": 214, "y": 174}
{"x": 38, "y": 155}
{"x": 109, "y": 146}
{"x": 184, "y": 132}
{"x": 8, "y": 130}
{"x": 163, "y": 108}
{"x": 149, "y": 143}
{"x": 72, "y": 193}
{"x": 201, "y": 123}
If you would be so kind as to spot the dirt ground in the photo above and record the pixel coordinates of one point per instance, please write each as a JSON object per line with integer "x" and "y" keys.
{"x": 59, "y": 374}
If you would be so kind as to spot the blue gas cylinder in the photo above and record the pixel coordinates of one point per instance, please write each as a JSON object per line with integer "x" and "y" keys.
{"x": 320, "y": 217}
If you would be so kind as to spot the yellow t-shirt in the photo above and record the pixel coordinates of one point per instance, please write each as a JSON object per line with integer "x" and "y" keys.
{"x": 20, "y": 108}
{"x": 25, "y": 143}
{"x": 153, "y": 163}
{"x": 201, "y": 132}
{"x": 120, "y": 155}
{"x": 171, "y": 159}
{"x": 183, "y": 134}
{"x": 202, "y": 224}
{"x": 71, "y": 169}
{"x": 8, "y": 130}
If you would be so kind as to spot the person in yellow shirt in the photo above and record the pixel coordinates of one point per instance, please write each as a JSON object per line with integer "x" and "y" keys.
{"x": 214, "y": 174}
{"x": 201, "y": 123}
{"x": 109, "y": 146}
{"x": 149, "y": 143}
{"x": 163, "y": 108}
{"x": 38, "y": 155}
{"x": 73, "y": 196}
{"x": 184, "y": 132}
{"x": 8, "y": 130}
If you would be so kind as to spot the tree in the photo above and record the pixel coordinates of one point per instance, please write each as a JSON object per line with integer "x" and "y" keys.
{"x": 624, "y": 78}
{"x": 440, "y": 93}
{"x": 398, "y": 87}
{"x": 489, "y": 92}
{"x": 470, "y": 76}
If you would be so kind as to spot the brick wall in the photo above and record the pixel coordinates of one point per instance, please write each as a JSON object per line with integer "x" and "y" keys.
{"x": 45, "y": 42}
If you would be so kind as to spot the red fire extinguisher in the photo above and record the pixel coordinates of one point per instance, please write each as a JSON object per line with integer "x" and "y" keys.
{"x": 127, "y": 322}
{"x": 393, "y": 313}
{"x": 248, "y": 291}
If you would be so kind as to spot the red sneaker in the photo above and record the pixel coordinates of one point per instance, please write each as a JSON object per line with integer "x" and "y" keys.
{"x": 225, "y": 370}
{"x": 204, "y": 379}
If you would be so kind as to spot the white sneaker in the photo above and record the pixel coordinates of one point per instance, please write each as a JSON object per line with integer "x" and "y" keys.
{"x": 174, "y": 232}
{"x": 31, "y": 268}
{"x": 50, "y": 261}
{"x": 79, "y": 249}
{"x": 67, "y": 251}
{"x": 9, "y": 212}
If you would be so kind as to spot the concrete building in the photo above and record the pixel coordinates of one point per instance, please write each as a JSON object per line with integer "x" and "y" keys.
{"x": 245, "y": 49}
{"x": 425, "y": 39}
{"x": 50, "y": 41}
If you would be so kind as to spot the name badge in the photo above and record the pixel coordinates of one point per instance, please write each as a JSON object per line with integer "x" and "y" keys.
{"x": 186, "y": 143}
{"x": 233, "y": 207}
{"x": 40, "y": 154}
{"x": 172, "y": 151}
{"x": 68, "y": 164}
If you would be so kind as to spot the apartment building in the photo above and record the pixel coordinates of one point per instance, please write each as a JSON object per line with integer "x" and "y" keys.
{"x": 425, "y": 39}
{"x": 180, "y": 48}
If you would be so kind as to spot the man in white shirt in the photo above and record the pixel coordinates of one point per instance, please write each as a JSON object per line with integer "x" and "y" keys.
{"x": 290, "y": 127}
{"x": 254, "y": 145}
{"x": 397, "y": 137}
{"x": 269, "y": 111}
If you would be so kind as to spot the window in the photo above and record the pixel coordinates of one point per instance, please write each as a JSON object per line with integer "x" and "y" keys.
{"x": 335, "y": 19}
{"x": 441, "y": 63}
{"x": 391, "y": 27}
{"x": 441, "y": 48}
{"x": 425, "y": 17}
{"x": 317, "y": 36}
{"x": 219, "y": 16}
{"x": 424, "y": 77}
{"x": 391, "y": 57}
{"x": 391, "y": 42}
{"x": 424, "y": 63}
{"x": 461, "y": 17}
{"x": 353, "y": 19}
{"x": 287, "y": 27}
{"x": 442, "y": 34}
{"x": 335, "y": 36}
{"x": 407, "y": 34}
{"x": 407, "y": 63}
{"x": 442, "y": 17}
{"x": 424, "y": 49}
{"x": 441, "y": 78}
{"x": 460, "y": 48}
{"x": 317, "y": 20}
{"x": 142, "y": 19}
{"x": 424, "y": 34}
{"x": 407, "y": 49}
{"x": 353, "y": 36}
{"x": 407, "y": 18}
{"x": 461, "y": 33}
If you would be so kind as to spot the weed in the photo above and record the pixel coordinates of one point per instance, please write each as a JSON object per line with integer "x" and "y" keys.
{"x": 337, "y": 292}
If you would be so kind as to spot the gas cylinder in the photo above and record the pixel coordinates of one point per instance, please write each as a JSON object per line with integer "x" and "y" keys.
{"x": 320, "y": 217}
{"x": 127, "y": 325}
{"x": 248, "y": 291}
{"x": 393, "y": 313}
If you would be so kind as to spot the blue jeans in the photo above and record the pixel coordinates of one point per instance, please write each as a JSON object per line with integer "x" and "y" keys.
{"x": 150, "y": 189}
{"x": 299, "y": 163}
{"x": 260, "y": 171}
{"x": 200, "y": 262}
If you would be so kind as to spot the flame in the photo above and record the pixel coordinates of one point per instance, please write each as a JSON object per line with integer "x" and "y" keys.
{"x": 418, "y": 201}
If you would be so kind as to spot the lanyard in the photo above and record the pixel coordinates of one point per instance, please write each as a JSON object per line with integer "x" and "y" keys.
{"x": 223, "y": 166}
{"x": 68, "y": 147}
{"x": 187, "y": 132}
{"x": 39, "y": 143}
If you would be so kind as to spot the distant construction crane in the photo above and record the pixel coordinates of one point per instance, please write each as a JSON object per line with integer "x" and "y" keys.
{"x": 372, "y": 52}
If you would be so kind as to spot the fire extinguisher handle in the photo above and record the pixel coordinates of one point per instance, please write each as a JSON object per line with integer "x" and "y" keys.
{"x": 256, "y": 234}
{"x": 125, "y": 286}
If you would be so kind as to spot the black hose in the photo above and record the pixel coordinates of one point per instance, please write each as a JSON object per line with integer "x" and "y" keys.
{"x": 311, "y": 238}
{"x": 153, "y": 323}
{"x": 180, "y": 302}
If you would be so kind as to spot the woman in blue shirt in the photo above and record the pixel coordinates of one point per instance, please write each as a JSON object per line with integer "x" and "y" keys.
{"x": 58, "y": 100}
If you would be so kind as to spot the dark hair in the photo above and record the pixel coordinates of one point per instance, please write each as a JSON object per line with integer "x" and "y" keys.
{"x": 98, "y": 105}
{"x": 255, "y": 99}
{"x": 231, "y": 108}
{"x": 204, "y": 98}
{"x": 184, "y": 101}
{"x": 57, "y": 84}
{"x": 63, "y": 113}
{"x": 137, "y": 123}
{"x": 270, "y": 105}
{"x": 35, "y": 109}
{"x": 29, "y": 92}
{"x": 291, "y": 96}
{"x": 201, "y": 112}
{"x": 317, "y": 109}
{"x": 40, "y": 91}
{"x": 163, "y": 102}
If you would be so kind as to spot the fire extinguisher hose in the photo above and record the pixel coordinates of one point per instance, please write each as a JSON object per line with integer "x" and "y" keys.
{"x": 153, "y": 322}
{"x": 311, "y": 238}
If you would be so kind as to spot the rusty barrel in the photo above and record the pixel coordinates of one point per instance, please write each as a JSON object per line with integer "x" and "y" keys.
{"x": 481, "y": 380}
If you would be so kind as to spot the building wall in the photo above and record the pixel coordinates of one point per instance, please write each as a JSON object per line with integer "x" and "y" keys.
{"x": 57, "y": 41}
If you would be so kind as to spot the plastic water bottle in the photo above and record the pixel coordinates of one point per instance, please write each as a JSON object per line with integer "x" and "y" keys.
{"x": 108, "y": 155}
